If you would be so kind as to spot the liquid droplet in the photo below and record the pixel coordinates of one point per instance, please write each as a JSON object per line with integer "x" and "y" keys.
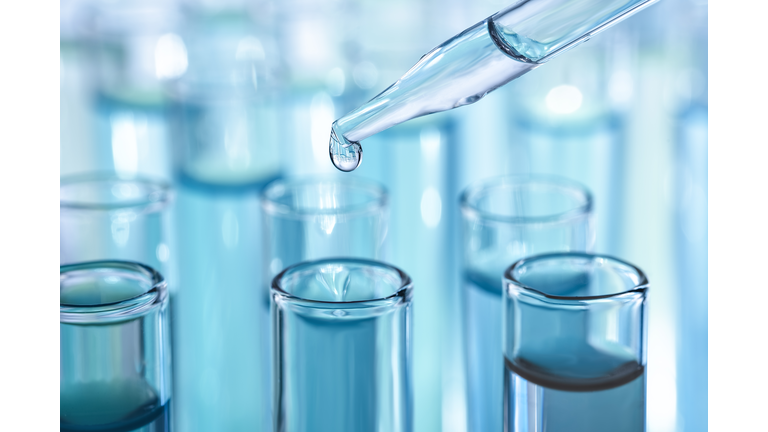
{"x": 345, "y": 155}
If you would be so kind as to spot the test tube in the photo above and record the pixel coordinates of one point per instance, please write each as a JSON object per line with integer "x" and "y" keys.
{"x": 506, "y": 219}
{"x": 115, "y": 361}
{"x": 321, "y": 217}
{"x": 341, "y": 346}
{"x": 575, "y": 329}
{"x": 135, "y": 52}
{"x": 225, "y": 114}
{"x": 107, "y": 217}
{"x": 224, "y": 119}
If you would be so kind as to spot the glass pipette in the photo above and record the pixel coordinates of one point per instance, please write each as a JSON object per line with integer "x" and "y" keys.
{"x": 475, "y": 62}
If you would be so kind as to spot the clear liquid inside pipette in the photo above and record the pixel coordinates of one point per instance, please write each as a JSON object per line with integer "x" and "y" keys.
{"x": 459, "y": 72}
{"x": 475, "y": 62}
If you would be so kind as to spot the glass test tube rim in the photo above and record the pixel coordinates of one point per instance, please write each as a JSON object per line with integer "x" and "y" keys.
{"x": 468, "y": 199}
{"x": 378, "y": 193}
{"x": 404, "y": 292}
{"x": 640, "y": 288}
{"x": 123, "y": 310}
{"x": 159, "y": 194}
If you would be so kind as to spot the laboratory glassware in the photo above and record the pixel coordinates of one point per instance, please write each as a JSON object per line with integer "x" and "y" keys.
{"x": 691, "y": 255}
{"x": 561, "y": 122}
{"x": 341, "y": 345}
{"x": 422, "y": 215}
{"x": 135, "y": 51}
{"x": 224, "y": 119}
{"x": 107, "y": 217}
{"x": 309, "y": 218}
{"x": 115, "y": 361}
{"x": 506, "y": 219}
{"x": 575, "y": 337}
{"x": 225, "y": 113}
{"x": 475, "y": 62}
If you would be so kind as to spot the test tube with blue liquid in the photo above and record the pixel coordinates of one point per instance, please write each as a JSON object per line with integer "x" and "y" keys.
{"x": 341, "y": 332}
{"x": 225, "y": 123}
{"x": 506, "y": 219}
{"x": 575, "y": 338}
{"x": 475, "y": 62}
{"x": 115, "y": 362}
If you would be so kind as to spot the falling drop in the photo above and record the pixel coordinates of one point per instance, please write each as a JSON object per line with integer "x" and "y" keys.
{"x": 345, "y": 155}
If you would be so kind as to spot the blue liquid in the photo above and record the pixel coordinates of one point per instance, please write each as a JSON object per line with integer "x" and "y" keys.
{"x": 112, "y": 408}
{"x": 535, "y": 399}
{"x": 340, "y": 371}
{"x": 220, "y": 310}
{"x": 482, "y": 303}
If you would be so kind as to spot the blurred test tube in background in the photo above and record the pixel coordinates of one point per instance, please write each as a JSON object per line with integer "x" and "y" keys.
{"x": 134, "y": 50}
{"x": 308, "y": 218}
{"x": 225, "y": 123}
{"x": 506, "y": 219}
{"x": 103, "y": 217}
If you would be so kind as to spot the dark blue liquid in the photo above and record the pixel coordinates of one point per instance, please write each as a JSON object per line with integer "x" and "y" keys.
{"x": 537, "y": 400}
{"x": 157, "y": 419}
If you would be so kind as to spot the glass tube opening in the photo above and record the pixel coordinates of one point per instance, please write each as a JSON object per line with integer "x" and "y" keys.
{"x": 357, "y": 282}
{"x": 108, "y": 291}
{"x": 575, "y": 277}
{"x": 308, "y": 197}
{"x": 106, "y": 192}
{"x": 527, "y": 200}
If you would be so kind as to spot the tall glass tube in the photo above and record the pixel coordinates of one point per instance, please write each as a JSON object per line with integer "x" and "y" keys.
{"x": 105, "y": 217}
{"x": 321, "y": 217}
{"x": 341, "y": 335}
{"x": 506, "y": 219}
{"x": 575, "y": 329}
{"x": 224, "y": 119}
{"x": 115, "y": 361}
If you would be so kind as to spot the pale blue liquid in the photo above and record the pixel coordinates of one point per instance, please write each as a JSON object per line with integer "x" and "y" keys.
{"x": 613, "y": 402}
{"x": 341, "y": 372}
{"x": 482, "y": 303}
{"x": 220, "y": 310}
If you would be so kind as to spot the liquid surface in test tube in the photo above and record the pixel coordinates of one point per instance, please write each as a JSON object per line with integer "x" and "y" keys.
{"x": 603, "y": 393}
{"x": 116, "y": 406}
{"x": 111, "y": 404}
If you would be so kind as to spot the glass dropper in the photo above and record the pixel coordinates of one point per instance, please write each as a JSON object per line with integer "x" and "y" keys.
{"x": 475, "y": 62}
